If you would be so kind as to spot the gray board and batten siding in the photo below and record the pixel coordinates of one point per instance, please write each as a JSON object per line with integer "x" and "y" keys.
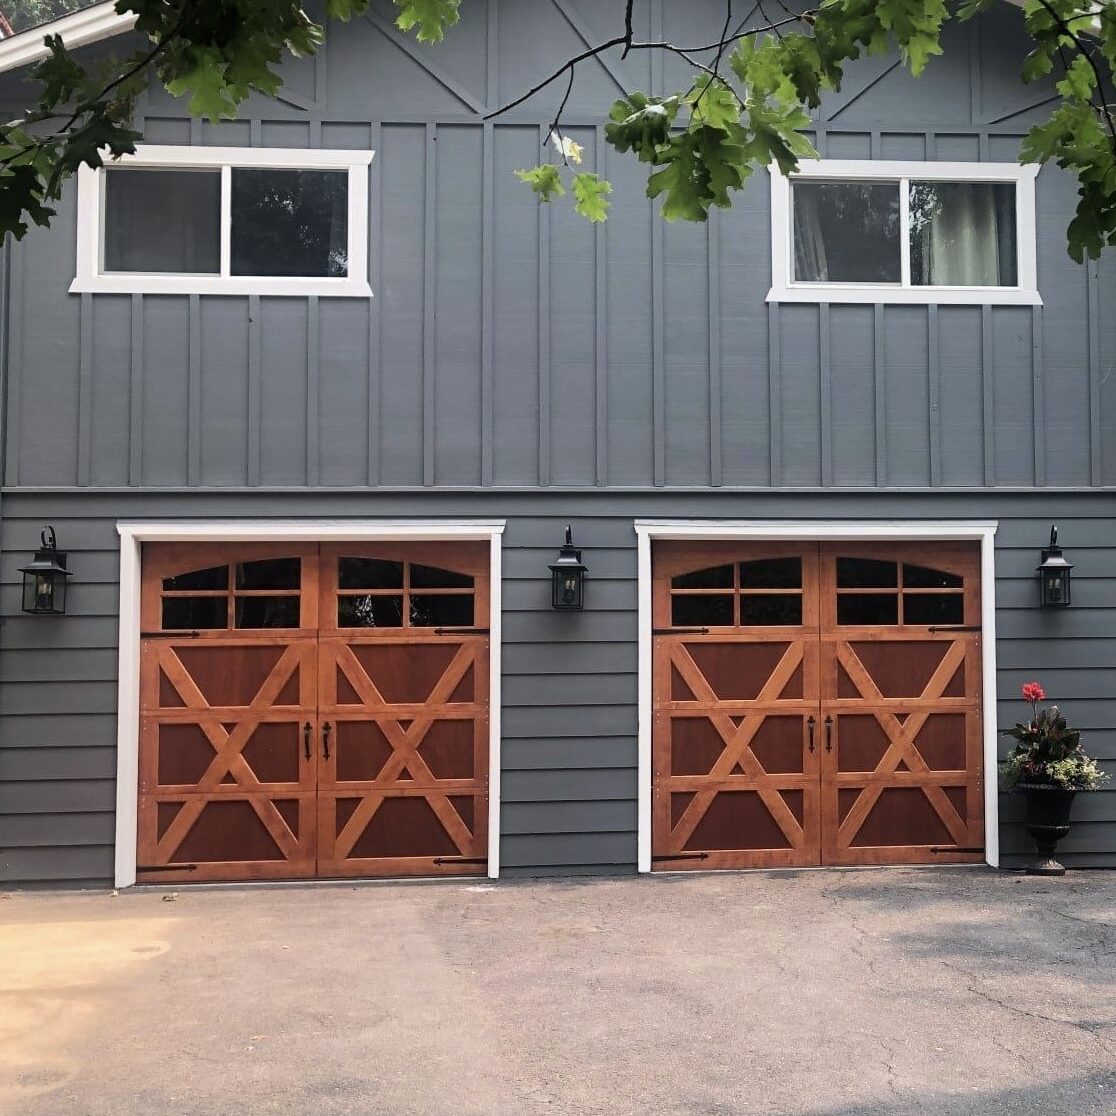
{"x": 519, "y": 363}
{"x": 513, "y": 344}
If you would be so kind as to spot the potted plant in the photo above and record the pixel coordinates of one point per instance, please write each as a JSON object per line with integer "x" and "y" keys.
{"x": 1048, "y": 766}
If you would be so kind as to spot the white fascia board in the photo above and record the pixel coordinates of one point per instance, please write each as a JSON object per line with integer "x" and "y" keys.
{"x": 77, "y": 29}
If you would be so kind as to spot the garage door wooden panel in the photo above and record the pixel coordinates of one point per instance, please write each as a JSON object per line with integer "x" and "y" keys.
{"x": 735, "y": 781}
{"x": 901, "y": 678}
{"x": 313, "y": 710}
{"x": 404, "y": 695}
{"x": 816, "y": 704}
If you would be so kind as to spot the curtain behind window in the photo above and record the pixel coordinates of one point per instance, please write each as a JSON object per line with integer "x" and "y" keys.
{"x": 963, "y": 234}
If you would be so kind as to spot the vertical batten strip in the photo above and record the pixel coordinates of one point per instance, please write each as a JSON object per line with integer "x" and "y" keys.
{"x": 713, "y": 258}
{"x": 879, "y": 386}
{"x": 254, "y": 346}
{"x": 1093, "y": 327}
{"x": 376, "y": 203}
{"x": 1038, "y": 395}
{"x": 313, "y": 359}
{"x": 13, "y": 425}
{"x": 988, "y": 395}
{"x": 313, "y": 390}
{"x": 544, "y": 335}
{"x": 135, "y": 395}
{"x": 492, "y": 57}
{"x": 193, "y": 394}
{"x": 600, "y": 245}
{"x": 825, "y": 396}
{"x": 85, "y": 391}
{"x": 488, "y": 282}
{"x": 658, "y": 374}
{"x": 429, "y": 293}
{"x": 934, "y": 363}
{"x": 774, "y": 397}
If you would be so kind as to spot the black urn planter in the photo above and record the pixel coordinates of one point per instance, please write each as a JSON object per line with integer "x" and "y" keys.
{"x": 1048, "y": 821}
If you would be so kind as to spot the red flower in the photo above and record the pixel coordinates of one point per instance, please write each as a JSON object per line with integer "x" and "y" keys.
{"x": 1033, "y": 692}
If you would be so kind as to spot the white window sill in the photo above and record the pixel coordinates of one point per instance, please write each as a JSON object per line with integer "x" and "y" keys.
{"x": 218, "y": 285}
{"x": 907, "y": 296}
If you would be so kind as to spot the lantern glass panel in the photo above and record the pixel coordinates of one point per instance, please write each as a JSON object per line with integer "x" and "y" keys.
{"x": 44, "y": 593}
{"x": 568, "y": 586}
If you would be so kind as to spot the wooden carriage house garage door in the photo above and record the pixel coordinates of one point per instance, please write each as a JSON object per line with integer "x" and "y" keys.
{"x": 313, "y": 710}
{"x": 816, "y": 704}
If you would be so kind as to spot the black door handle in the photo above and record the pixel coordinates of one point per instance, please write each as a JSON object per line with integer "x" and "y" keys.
{"x": 306, "y": 730}
{"x": 810, "y": 722}
{"x": 829, "y": 734}
{"x": 325, "y": 739}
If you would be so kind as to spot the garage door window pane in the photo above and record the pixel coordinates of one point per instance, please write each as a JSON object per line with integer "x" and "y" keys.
{"x": 963, "y": 234}
{"x": 290, "y": 222}
{"x": 846, "y": 232}
{"x": 163, "y": 221}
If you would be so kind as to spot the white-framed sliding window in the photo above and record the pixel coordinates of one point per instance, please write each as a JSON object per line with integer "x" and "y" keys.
{"x": 845, "y": 230}
{"x": 225, "y": 220}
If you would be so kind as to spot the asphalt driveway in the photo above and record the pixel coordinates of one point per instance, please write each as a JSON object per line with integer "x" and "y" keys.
{"x": 822, "y": 993}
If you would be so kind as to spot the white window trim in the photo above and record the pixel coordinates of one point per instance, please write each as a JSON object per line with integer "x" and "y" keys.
{"x": 784, "y": 288}
{"x": 134, "y": 535}
{"x": 92, "y": 277}
{"x": 982, "y": 531}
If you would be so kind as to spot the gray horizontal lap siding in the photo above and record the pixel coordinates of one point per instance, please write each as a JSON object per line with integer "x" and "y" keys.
{"x": 570, "y": 704}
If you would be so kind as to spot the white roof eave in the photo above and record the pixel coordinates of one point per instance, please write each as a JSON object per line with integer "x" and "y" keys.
{"x": 89, "y": 25}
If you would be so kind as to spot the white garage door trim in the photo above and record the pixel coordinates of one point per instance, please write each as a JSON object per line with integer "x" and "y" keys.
{"x": 759, "y": 530}
{"x": 134, "y": 534}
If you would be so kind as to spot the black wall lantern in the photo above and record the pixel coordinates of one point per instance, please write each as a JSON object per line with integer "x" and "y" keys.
{"x": 44, "y": 578}
{"x": 568, "y": 576}
{"x": 1054, "y": 575}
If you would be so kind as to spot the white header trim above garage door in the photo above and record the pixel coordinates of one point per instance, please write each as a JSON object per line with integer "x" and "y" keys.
{"x": 758, "y": 530}
{"x": 134, "y": 534}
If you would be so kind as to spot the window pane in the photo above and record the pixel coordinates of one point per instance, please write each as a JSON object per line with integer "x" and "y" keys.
{"x": 163, "y": 220}
{"x": 868, "y": 608}
{"x": 267, "y": 612}
{"x": 866, "y": 573}
{"x": 715, "y": 577}
{"x": 450, "y": 610}
{"x": 269, "y": 573}
{"x": 846, "y": 232}
{"x": 923, "y": 577}
{"x": 180, "y": 613}
{"x": 216, "y": 577}
{"x": 963, "y": 234}
{"x": 771, "y": 608}
{"x": 370, "y": 612}
{"x": 290, "y": 222}
{"x": 700, "y": 611}
{"x": 431, "y": 577}
{"x": 771, "y": 573}
{"x": 369, "y": 573}
{"x": 933, "y": 608}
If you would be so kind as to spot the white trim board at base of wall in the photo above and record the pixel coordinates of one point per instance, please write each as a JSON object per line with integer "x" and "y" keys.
{"x": 758, "y": 530}
{"x": 132, "y": 537}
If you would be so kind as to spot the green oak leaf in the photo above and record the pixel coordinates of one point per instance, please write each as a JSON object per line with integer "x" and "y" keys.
{"x": 545, "y": 180}
{"x": 712, "y": 102}
{"x": 591, "y": 196}
{"x": 642, "y": 124}
{"x": 432, "y": 18}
